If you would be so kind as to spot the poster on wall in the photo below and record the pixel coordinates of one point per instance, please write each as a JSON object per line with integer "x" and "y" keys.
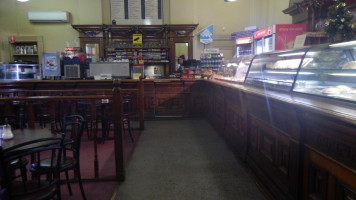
{"x": 206, "y": 35}
{"x": 136, "y": 12}
{"x": 51, "y": 64}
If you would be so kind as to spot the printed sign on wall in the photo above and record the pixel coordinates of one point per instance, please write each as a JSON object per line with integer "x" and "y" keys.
{"x": 137, "y": 40}
{"x": 137, "y": 12}
{"x": 51, "y": 64}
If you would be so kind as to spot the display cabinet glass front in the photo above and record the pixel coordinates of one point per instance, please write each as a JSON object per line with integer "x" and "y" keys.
{"x": 329, "y": 70}
{"x": 20, "y": 71}
{"x": 276, "y": 69}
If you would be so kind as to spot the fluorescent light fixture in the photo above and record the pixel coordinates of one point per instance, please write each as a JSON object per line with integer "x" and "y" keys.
{"x": 229, "y": 0}
{"x": 231, "y": 65}
{"x": 343, "y": 44}
{"x": 342, "y": 74}
{"x": 22, "y": 0}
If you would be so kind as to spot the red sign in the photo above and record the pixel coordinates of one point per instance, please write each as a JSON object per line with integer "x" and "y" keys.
{"x": 12, "y": 39}
{"x": 263, "y": 32}
{"x": 245, "y": 40}
{"x": 286, "y": 34}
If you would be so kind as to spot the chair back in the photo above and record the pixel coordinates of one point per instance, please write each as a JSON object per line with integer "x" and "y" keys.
{"x": 44, "y": 185}
{"x": 73, "y": 129}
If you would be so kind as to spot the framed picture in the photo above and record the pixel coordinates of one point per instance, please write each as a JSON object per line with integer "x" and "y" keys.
{"x": 51, "y": 64}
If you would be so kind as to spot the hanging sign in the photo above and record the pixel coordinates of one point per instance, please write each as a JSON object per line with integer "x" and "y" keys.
{"x": 137, "y": 40}
{"x": 206, "y": 35}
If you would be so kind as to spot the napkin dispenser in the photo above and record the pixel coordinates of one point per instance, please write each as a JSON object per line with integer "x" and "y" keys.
{"x": 7, "y": 132}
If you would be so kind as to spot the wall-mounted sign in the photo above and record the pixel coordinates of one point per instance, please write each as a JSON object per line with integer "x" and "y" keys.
{"x": 136, "y": 12}
{"x": 12, "y": 39}
{"x": 137, "y": 40}
{"x": 299, "y": 41}
{"x": 264, "y": 32}
{"x": 206, "y": 35}
{"x": 212, "y": 50}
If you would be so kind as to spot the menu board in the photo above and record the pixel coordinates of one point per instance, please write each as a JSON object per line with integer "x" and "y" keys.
{"x": 136, "y": 12}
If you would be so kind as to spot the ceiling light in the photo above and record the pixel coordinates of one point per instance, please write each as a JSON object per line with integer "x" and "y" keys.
{"x": 229, "y": 0}
{"x": 22, "y": 0}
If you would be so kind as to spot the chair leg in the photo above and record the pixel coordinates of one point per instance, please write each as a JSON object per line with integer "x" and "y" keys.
{"x": 129, "y": 127}
{"x": 24, "y": 173}
{"x": 68, "y": 183}
{"x": 80, "y": 182}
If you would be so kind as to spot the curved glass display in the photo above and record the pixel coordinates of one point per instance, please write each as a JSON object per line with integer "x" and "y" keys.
{"x": 329, "y": 70}
{"x": 276, "y": 69}
{"x": 242, "y": 68}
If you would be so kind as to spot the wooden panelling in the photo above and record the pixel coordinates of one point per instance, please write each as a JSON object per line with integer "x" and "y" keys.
{"x": 281, "y": 115}
{"x": 216, "y": 108}
{"x": 275, "y": 155}
{"x": 326, "y": 178}
{"x": 235, "y": 129}
{"x": 332, "y": 137}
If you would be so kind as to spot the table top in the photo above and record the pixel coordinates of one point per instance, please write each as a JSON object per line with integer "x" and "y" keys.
{"x": 25, "y": 135}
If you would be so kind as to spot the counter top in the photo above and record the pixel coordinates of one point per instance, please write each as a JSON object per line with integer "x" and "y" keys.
{"x": 343, "y": 110}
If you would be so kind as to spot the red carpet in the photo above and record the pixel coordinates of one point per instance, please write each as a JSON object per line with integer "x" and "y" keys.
{"x": 98, "y": 189}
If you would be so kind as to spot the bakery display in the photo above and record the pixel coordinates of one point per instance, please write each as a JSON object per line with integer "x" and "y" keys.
{"x": 284, "y": 64}
{"x": 339, "y": 89}
{"x": 349, "y": 65}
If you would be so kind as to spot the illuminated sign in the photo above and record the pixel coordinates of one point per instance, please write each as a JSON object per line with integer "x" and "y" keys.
{"x": 245, "y": 40}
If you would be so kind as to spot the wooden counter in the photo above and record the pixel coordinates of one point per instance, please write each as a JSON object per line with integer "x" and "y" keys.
{"x": 300, "y": 146}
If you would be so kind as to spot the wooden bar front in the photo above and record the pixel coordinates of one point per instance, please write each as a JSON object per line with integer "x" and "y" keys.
{"x": 299, "y": 146}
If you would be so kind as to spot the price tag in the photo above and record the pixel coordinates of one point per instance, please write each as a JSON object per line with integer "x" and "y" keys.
{"x": 300, "y": 41}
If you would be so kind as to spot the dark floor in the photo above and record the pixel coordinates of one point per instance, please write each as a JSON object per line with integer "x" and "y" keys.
{"x": 185, "y": 159}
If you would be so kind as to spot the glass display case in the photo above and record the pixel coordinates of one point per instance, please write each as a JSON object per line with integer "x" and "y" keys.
{"x": 276, "y": 69}
{"x": 329, "y": 70}
{"x": 242, "y": 68}
{"x": 20, "y": 71}
{"x": 326, "y": 70}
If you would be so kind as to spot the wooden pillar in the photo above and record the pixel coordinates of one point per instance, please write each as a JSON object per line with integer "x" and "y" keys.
{"x": 118, "y": 131}
{"x": 95, "y": 130}
{"x": 142, "y": 103}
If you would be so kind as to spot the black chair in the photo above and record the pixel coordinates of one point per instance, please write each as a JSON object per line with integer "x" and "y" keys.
{"x": 84, "y": 110}
{"x": 108, "y": 118}
{"x": 33, "y": 187}
{"x": 72, "y": 128}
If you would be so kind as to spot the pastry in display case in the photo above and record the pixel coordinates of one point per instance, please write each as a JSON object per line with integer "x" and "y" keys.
{"x": 329, "y": 70}
{"x": 276, "y": 69}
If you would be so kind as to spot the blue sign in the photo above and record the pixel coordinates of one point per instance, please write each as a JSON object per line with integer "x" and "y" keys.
{"x": 206, "y": 35}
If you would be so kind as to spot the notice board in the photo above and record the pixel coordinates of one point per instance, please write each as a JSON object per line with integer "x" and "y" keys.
{"x": 136, "y": 12}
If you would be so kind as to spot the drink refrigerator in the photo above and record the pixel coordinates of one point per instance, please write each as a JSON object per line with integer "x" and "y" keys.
{"x": 277, "y": 37}
{"x": 243, "y": 46}
{"x": 243, "y": 41}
